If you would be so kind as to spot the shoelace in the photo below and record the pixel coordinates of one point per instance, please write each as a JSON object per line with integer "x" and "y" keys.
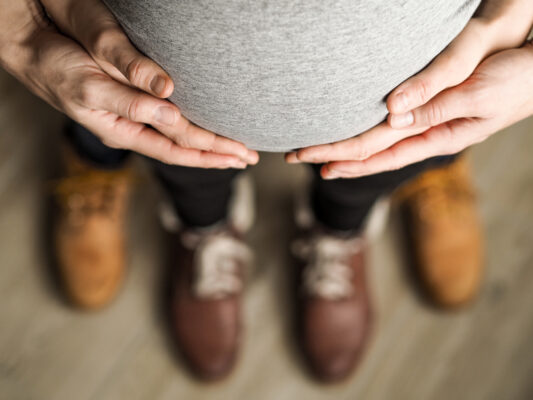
{"x": 87, "y": 193}
{"x": 216, "y": 263}
{"x": 436, "y": 193}
{"x": 437, "y": 199}
{"x": 327, "y": 273}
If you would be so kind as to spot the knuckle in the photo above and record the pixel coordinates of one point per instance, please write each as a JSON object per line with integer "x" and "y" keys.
{"x": 359, "y": 152}
{"x": 211, "y": 143}
{"x": 135, "y": 70}
{"x": 182, "y": 141}
{"x": 423, "y": 90}
{"x": 133, "y": 109}
{"x": 433, "y": 114}
{"x": 87, "y": 90}
{"x": 85, "y": 93}
{"x": 395, "y": 162}
{"x": 479, "y": 102}
{"x": 170, "y": 154}
{"x": 443, "y": 140}
{"x": 112, "y": 143}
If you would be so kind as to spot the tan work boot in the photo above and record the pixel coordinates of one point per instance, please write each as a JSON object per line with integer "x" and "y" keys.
{"x": 440, "y": 210}
{"x": 89, "y": 230}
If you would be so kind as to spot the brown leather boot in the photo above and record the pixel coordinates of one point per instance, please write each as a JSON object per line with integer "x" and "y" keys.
{"x": 440, "y": 210}
{"x": 89, "y": 230}
{"x": 334, "y": 315}
{"x": 208, "y": 283}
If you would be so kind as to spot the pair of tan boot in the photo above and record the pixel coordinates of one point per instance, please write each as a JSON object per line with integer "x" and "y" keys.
{"x": 334, "y": 313}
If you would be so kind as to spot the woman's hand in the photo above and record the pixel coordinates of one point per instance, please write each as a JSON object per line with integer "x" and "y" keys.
{"x": 436, "y": 102}
{"x": 84, "y": 65}
{"x": 497, "y": 25}
{"x": 498, "y": 94}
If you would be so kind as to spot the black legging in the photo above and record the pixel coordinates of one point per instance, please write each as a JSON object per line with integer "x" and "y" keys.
{"x": 201, "y": 196}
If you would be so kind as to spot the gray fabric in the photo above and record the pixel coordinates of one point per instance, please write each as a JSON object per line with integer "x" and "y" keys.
{"x": 283, "y": 74}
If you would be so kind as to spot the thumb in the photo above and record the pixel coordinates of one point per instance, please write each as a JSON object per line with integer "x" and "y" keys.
{"x": 92, "y": 24}
{"x": 451, "y": 104}
{"x": 450, "y": 68}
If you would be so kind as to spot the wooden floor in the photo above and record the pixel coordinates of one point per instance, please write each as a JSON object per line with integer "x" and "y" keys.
{"x": 50, "y": 351}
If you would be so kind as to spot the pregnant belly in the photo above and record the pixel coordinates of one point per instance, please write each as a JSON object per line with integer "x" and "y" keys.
{"x": 280, "y": 75}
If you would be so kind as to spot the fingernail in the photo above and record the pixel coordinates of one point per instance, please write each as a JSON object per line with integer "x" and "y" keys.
{"x": 290, "y": 157}
{"x": 305, "y": 157}
{"x": 329, "y": 173}
{"x": 251, "y": 158}
{"x": 401, "y": 102}
{"x": 158, "y": 84}
{"x": 165, "y": 115}
{"x": 401, "y": 120}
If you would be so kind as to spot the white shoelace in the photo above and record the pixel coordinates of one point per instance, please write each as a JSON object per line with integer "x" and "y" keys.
{"x": 327, "y": 273}
{"x": 216, "y": 264}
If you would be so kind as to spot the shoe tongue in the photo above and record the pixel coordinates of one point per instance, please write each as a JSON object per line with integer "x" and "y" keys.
{"x": 191, "y": 236}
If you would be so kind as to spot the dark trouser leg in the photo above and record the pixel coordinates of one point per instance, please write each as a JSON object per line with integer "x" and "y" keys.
{"x": 343, "y": 204}
{"x": 201, "y": 196}
{"x": 90, "y": 148}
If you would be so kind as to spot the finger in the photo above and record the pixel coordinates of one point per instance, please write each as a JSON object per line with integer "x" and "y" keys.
{"x": 91, "y": 23}
{"x": 102, "y": 93}
{"x": 190, "y": 135}
{"x": 450, "y": 104}
{"x": 123, "y": 133}
{"x": 448, "y": 138}
{"x": 359, "y": 147}
{"x": 99, "y": 92}
{"x": 171, "y": 153}
{"x": 454, "y": 65}
{"x": 292, "y": 157}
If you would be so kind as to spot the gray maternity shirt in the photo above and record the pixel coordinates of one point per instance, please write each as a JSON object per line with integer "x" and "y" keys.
{"x": 283, "y": 74}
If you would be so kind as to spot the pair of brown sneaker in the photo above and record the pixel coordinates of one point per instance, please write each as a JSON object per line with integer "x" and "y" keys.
{"x": 334, "y": 313}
